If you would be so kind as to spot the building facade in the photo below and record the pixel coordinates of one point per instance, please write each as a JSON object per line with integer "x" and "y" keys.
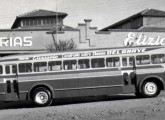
{"x": 147, "y": 19}
{"x": 33, "y": 31}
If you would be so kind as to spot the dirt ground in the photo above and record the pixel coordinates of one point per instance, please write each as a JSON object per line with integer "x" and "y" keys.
{"x": 121, "y": 107}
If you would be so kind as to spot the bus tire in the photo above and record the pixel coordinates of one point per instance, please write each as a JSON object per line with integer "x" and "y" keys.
{"x": 139, "y": 95}
{"x": 41, "y": 97}
{"x": 150, "y": 89}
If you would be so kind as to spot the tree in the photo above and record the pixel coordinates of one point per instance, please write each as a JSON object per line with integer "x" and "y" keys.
{"x": 62, "y": 45}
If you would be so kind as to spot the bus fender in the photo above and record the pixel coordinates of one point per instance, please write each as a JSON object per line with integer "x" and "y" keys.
{"x": 148, "y": 77}
{"x": 41, "y": 85}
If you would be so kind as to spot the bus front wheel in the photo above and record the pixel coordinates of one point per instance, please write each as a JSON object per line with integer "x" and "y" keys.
{"x": 41, "y": 97}
{"x": 150, "y": 89}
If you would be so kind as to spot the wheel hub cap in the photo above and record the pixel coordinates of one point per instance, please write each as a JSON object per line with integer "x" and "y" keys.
{"x": 41, "y": 97}
{"x": 150, "y": 88}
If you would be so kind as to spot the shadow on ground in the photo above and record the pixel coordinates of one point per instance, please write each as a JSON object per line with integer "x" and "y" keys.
{"x": 65, "y": 101}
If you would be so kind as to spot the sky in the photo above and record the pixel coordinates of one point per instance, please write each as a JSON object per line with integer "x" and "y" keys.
{"x": 102, "y": 12}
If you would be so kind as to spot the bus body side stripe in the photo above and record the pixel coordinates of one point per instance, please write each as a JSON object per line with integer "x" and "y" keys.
{"x": 69, "y": 78}
{"x": 80, "y": 88}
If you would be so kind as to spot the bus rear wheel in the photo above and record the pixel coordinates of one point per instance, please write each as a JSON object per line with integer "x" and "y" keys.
{"x": 150, "y": 89}
{"x": 42, "y": 97}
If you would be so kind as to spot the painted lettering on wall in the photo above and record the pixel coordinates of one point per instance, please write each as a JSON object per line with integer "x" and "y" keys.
{"x": 143, "y": 40}
{"x": 16, "y": 41}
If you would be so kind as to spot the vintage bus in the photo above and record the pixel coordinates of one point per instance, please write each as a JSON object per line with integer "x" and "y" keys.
{"x": 47, "y": 76}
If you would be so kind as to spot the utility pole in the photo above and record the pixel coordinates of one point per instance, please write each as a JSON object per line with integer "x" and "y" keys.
{"x": 56, "y": 21}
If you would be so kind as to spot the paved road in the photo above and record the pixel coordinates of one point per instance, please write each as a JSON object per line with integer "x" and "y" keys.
{"x": 98, "y": 108}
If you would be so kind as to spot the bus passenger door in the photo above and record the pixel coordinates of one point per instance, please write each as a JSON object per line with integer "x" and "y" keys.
{"x": 129, "y": 74}
{"x": 11, "y": 86}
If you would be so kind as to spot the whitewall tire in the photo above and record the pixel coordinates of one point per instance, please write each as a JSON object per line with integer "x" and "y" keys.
{"x": 150, "y": 89}
{"x": 42, "y": 97}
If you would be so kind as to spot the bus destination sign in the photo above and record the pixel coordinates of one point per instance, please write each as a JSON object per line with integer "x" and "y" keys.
{"x": 92, "y": 53}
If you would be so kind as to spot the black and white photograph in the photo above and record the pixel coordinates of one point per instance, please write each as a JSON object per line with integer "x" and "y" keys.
{"x": 82, "y": 59}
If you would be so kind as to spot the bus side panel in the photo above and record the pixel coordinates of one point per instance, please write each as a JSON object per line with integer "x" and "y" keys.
{"x": 69, "y": 91}
{"x": 2, "y": 91}
{"x": 77, "y": 85}
{"x": 144, "y": 73}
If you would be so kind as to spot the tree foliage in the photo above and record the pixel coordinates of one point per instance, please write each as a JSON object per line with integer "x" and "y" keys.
{"x": 62, "y": 45}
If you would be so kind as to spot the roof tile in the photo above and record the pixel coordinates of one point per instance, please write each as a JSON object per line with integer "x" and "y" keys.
{"x": 147, "y": 12}
{"x": 41, "y": 13}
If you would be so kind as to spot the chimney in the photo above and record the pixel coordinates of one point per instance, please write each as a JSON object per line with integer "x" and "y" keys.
{"x": 81, "y": 27}
{"x": 87, "y": 25}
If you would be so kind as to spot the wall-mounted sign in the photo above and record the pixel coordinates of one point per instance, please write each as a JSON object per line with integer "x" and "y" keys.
{"x": 141, "y": 39}
{"x": 16, "y": 41}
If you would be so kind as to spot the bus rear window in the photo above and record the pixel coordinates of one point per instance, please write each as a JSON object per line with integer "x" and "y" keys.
{"x": 55, "y": 65}
{"x": 40, "y": 66}
{"x": 142, "y": 59}
{"x": 97, "y": 63}
{"x": 25, "y": 67}
{"x": 159, "y": 58}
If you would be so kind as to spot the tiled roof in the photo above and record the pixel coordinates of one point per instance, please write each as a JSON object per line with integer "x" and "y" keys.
{"x": 68, "y": 28}
{"x": 147, "y": 12}
{"x": 38, "y": 14}
{"x": 41, "y": 13}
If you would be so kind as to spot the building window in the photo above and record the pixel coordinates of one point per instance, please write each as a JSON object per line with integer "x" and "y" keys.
{"x": 49, "y": 21}
{"x": 32, "y": 22}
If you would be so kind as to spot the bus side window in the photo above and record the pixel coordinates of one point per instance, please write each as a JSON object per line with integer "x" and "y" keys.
{"x": 124, "y": 61}
{"x": 83, "y": 64}
{"x": 14, "y": 69}
{"x": 131, "y": 61}
{"x": 1, "y": 69}
{"x": 97, "y": 63}
{"x": 113, "y": 62}
{"x": 70, "y": 65}
{"x": 7, "y": 69}
{"x": 40, "y": 66}
{"x": 25, "y": 67}
{"x": 142, "y": 59}
{"x": 55, "y": 65}
{"x": 159, "y": 58}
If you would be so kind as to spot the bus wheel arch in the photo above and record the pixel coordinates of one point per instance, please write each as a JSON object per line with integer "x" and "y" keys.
{"x": 144, "y": 87}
